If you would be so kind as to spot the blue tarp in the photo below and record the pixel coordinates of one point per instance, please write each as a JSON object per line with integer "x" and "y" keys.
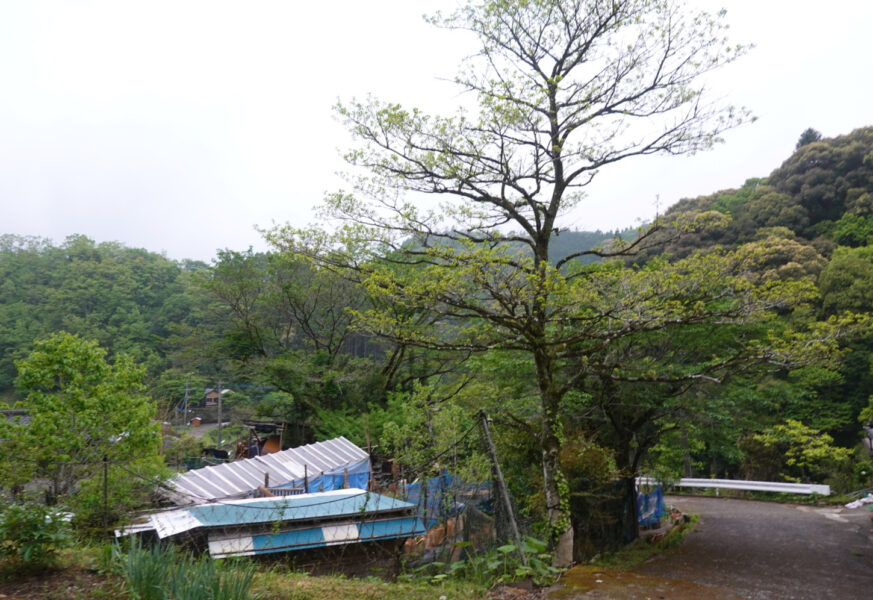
{"x": 650, "y": 507}
{"x": 431, "y": 496}
{"x": 443, "y": 496}
{"x": 358, "y": 473}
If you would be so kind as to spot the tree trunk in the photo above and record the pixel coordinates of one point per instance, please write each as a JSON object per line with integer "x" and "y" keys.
{"x": 686, "y": 455}
{"x": 628, "y": 518}
{"x": 630, "y": 523}
{"x": 554, "y": 483}
{"x": 557, "y": 497}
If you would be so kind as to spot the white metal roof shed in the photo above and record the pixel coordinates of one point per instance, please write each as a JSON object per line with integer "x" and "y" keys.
{"x": 239, "y": 478}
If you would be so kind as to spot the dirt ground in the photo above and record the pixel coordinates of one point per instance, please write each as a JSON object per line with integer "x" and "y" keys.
{"x": 746, "y": 550}
{"x": 66, "y": 584}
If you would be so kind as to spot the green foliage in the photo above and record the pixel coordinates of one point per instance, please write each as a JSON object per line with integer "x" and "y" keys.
{"x": 853, "y": 230}
{"x": 624, "y": 353}
{"x": 821, "y": 175}
{"x": 280, "y": 320}
{"x": 501, "y": 565}
{"x": 145, "y": 570}
{"x": 14, "y": 472}
{"x": 280, "y": 405}
{"x": 281, "y": 584}
{"x": 640, "y": 550}
{"x": 808, "y": 136}
{"x": 446, "y": 276}
{"x": 125, "y": 298}
{"x": 732, "y": 201}
{"x": 186, "y": 446}
{"x": 675, "y": 453}
{"x": 806, "y": 452}
{"x": 32, "y": 534}
{"x": 424, "y": 432}
{"x": 846, "y": 283}
{"x": 128, "y": 487}
{"x": 161, "y": 572}
{"x": 821, "y": 194}
{"x": 866, "y": 414}
{"x": 86, "y": 413}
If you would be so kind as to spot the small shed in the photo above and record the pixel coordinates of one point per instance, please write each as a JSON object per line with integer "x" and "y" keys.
{"x": 210, "y": 397}
{"x": 269, "y": 525}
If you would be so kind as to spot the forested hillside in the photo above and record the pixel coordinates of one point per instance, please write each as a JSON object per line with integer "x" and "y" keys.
{"x": 821, "y": 196}
{"x": 125, "y": 298}
{"x": 725, "y": 393}
{"x": 814, "y": 215}
{"x": 182, "y": 317}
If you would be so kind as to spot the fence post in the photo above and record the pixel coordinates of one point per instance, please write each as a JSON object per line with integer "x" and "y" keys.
{"x": 503, "y": 491}
{"x": 105, "y": 492}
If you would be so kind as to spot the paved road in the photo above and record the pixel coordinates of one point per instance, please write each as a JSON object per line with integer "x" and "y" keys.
{"x": 749, "y": 550}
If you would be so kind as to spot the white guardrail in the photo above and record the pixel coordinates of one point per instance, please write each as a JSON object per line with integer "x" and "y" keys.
{"x": 737, "y": 484}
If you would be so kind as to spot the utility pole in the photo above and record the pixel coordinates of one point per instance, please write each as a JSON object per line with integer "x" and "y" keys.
{"x": 218, "y": 389}
{"x": 187, "y": 389}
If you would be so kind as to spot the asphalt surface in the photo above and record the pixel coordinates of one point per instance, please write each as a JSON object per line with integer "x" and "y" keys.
{"x": 748, "y": 550}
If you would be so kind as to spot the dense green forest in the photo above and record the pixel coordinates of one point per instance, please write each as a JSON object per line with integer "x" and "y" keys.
{"x": 299, "y": 341}
{"x": 260, "y": 320}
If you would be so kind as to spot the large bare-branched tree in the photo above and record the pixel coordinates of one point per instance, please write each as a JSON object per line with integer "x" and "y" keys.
{"x": 564, "y": 88}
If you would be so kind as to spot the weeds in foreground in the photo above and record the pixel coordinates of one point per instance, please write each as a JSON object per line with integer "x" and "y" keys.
{"x": 501, "y": 565}
{"x": 32, "y": 534}
{"x": 161, "y": 572}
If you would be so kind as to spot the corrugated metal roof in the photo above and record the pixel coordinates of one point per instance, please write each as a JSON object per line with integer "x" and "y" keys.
{"x": 337, "y": 504}
{"x": 237, "y": 479}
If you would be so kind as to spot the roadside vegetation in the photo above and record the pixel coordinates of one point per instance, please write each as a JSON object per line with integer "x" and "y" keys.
{"x": 104, "y": 572}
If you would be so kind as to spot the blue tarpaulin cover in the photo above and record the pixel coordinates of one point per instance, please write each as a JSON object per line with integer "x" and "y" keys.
{"x": 444, "y": 496}
{"x": 358, "y": 472}
{"x": 650, "y": 507}
{"x": 431, "y": 501}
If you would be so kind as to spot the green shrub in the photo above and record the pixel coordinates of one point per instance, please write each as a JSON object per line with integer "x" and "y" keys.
{"x": 807, "y": 453}
{"x": 501, "y": 565}
{"x": 33, "y": 533}
{"x": 127, "y": 489}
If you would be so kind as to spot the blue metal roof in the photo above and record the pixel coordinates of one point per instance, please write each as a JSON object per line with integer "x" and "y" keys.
{"x": 266, "y": 525}
{"x": 337, "y": 503}
{"x": 289, "y": 510}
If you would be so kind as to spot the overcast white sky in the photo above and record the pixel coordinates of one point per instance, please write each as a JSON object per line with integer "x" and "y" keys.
{"x": 178, "y": 126}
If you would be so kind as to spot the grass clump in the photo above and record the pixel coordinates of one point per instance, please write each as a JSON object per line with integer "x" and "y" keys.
{"x": 161, "y": 572}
